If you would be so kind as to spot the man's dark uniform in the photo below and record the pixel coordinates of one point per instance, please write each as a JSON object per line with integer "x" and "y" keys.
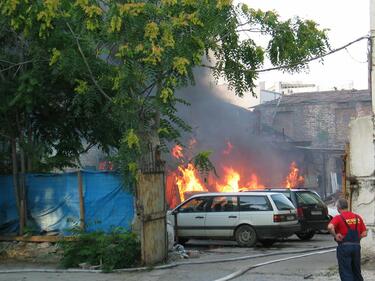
{"x": 350, "y": 226}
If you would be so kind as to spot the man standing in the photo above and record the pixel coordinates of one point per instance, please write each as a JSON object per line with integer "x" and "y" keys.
{"x": 348, "y": 228}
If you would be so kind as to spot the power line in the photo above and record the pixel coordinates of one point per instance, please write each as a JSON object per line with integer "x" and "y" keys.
{"x": 314, "y": 58}
{"x": 353, "y": 58}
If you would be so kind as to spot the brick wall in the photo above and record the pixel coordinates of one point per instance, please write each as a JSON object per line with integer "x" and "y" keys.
{"x": 324, "y": 124}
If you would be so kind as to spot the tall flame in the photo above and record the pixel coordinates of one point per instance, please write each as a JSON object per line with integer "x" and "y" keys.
{"x": 177, "y": 151}
{"x": 188, "y": 181}
{"x": 294, "y": 179}
{"x": 232, "y": 182}
{"x": 232, "y": 179}
{"x": 229, "y": 148}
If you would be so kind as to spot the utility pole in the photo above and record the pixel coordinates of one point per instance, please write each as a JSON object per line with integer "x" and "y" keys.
{"x": 372, "y": 54}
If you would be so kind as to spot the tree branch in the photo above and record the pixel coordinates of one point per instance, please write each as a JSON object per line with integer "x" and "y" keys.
{"x": 19, "y": 64}
{"x": 314, "y": 58}
{"x": 87, "y": 64}
{"x": 299, "y": 63}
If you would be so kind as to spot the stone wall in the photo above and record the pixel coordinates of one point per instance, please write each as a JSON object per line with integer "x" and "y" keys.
{"x": 318, "y": 124}
{"x": 324, "y": 124}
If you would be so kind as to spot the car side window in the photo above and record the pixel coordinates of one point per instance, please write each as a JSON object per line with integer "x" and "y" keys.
{"x": 195, "y": 205}
{"x": 223, "y": 204}
{"x": 308, "y": 198}
{"x": 282, "y": 202}
{"x": 255, "y": 203}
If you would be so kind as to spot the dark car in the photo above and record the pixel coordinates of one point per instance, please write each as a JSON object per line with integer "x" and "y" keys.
{"x": 312, "y": 212}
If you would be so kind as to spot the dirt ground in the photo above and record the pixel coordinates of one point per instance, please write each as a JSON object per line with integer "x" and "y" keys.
{"x": 38, "y": 254}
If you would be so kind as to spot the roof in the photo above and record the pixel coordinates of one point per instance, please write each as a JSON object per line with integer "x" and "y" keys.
{"x": 257, "y": 192}
{"x": 322, "y": 97}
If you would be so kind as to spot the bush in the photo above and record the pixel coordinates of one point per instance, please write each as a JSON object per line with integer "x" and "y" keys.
{"x": 117, "y": 249}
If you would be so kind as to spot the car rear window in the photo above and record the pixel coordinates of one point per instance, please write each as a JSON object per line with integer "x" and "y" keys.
{"x": 254, "y": 203}
{"x": 308, "y": 198}
{"x": 281, "y": 202}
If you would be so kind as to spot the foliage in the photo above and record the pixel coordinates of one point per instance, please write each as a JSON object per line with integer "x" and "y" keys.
{"x": 203, "y": 163}
{"x": 117, "y": 249}
{"x": 107, "y": 71}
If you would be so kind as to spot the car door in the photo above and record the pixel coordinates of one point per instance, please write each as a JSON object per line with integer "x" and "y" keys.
{"x": 222, "y": 216}
{"x": 256, "y": 210}
{"x": 191, "y": 217}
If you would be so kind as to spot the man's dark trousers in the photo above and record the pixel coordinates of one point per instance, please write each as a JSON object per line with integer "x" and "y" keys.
{"x": 349, "y": 260}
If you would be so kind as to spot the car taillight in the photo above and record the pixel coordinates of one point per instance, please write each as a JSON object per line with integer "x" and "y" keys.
{"x": 300, "y": 213}
{"x": 277, "y": 218}
{"x": 284, "y": 218}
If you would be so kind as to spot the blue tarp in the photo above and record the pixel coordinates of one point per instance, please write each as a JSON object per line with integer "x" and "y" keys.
{"x": 53, "y": 202}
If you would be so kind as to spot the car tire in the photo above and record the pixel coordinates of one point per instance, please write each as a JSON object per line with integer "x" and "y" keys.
{"x": 305, "y": 236}
{"x": 267, "y": 242}
{"x": 246, "y": 236}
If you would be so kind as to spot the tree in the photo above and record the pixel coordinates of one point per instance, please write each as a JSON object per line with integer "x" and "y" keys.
{"x": 127, "y": 58}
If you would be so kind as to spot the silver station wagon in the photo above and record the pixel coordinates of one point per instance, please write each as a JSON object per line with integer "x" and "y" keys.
{"x": 247, "y": 217}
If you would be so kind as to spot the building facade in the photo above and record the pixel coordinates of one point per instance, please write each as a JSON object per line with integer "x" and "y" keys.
{"x": 318, "y": 124}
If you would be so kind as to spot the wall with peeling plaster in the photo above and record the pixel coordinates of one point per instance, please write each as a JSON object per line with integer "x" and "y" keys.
{"x": 361, "y": 169}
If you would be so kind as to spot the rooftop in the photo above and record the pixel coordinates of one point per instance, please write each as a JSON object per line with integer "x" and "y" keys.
{"x": 322, "y": 97}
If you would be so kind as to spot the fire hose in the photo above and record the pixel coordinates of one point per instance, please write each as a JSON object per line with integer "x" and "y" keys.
{"x": 247, "y": 268}
{"x": 175, "y": 264}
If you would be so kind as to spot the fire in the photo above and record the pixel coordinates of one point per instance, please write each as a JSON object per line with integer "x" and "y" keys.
{"x": 294, "y": 179}
{"x": 188, "y": 181}
{"x": 177, "y": 151}
{"x": 254, "y": 183}
{"x": 192, "y": 142}
{"x": 232, "y": 182}
{"x": 232, "y": 179}
{"x": 229, "y": 148}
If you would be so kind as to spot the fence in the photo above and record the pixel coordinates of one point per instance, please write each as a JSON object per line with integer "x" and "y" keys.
{"x": 55, "y": 203}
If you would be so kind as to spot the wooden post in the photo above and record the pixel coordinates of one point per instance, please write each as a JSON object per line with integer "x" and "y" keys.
{"x": 81, "y": 202}
{"x": 22, "y": 217}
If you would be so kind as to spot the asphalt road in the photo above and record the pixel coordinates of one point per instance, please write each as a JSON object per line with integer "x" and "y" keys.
{"x": 317, "y": 267}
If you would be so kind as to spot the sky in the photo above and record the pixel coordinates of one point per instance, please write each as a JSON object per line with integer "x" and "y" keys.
{"x": 346, "y": 20}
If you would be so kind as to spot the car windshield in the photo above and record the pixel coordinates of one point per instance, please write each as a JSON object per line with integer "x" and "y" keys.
{"x": 308, "y": 198}
{"x": 281, "y": 202}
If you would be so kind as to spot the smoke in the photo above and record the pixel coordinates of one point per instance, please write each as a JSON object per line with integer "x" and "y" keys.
{"x": 230, "y": 131}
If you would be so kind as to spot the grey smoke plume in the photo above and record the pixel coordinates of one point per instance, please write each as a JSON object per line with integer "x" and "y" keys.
{"x": 215, "y": 122}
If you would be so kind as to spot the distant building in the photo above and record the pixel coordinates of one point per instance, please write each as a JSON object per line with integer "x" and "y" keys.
{"x": 317, "y": 123}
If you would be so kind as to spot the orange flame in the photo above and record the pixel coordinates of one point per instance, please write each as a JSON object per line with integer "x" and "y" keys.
{"x": 192, "y": 142}
{"x": 294, "y": 179}
{"x": 254, "y": 183}
{"x": 177, "y": 151}
{"x": 229, "y": 148}
{"x": 185, "y": 180}
{"x": 188, "y": 181}
{"x": 232, "y": 179}
{"x": 232, "y": 183}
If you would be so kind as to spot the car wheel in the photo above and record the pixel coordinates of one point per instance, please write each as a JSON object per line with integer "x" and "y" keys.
{"x": 267, "y": 242}
{"x": 246, "y": 236}
{"x": 305, "y": 235}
